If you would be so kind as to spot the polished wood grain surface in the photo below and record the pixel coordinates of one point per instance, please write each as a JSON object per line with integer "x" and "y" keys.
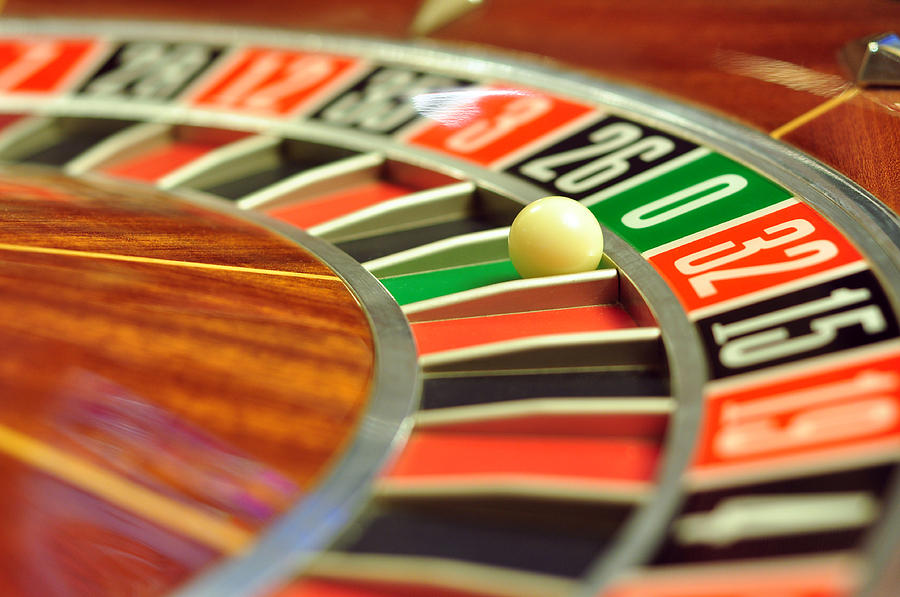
{"x": 761, "y": 62}
{"x": 175, "y": 367}
{"x": 58, "y": 540}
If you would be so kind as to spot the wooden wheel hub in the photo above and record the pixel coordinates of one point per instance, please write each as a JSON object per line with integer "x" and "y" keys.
{"x": 137, "y": 324}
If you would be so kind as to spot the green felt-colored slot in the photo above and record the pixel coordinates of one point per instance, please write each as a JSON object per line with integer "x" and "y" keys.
{"x": 411, "y": 288}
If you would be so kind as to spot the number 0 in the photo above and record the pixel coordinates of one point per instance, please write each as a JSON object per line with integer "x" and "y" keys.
{"x": 644, "y": 216}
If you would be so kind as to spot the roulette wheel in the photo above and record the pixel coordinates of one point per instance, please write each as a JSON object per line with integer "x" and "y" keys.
{"x": 262, "y": 335}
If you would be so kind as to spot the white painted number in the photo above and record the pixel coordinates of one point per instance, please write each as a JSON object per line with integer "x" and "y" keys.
{"x": 763, "y": 345}
{"x": 703, "y": 269}
{"x": 824, "y": 424}
{"x": 485, "y": 131}
{"x": 386, "y": 101}
{"x": 762, "y": 516}
{"x": 151, "y": 70}
{"x": 857, "y": 407}
{"x": 619, "y": 141}
{"x": 684, "y": 201}
{"x": 294, "y": 74}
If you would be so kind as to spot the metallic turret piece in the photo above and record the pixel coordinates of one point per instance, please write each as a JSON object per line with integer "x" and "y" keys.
{"x": 434, "y": 14}
{"x": 874, "y": 60}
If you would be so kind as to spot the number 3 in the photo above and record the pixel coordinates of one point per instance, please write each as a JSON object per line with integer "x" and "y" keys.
{"x": 485, "y": 131}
